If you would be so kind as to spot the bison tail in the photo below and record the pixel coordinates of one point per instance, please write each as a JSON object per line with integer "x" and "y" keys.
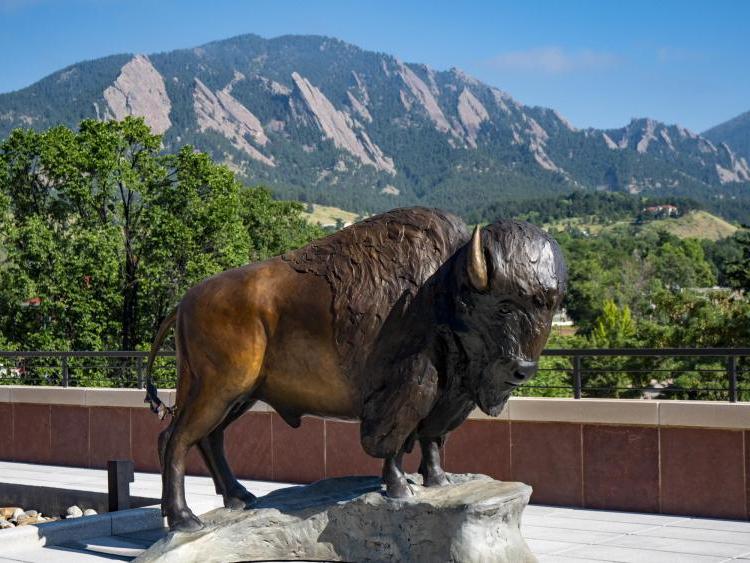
{"x": 151, "y": 393}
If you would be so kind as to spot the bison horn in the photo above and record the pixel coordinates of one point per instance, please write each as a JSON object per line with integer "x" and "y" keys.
{"x": 476, "y": 266}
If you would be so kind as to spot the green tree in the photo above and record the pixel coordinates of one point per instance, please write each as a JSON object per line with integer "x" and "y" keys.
{"x": 614, "y": 328}
{"x": 701, "y": 320}
{"x": 682, "y": 263}
{"x": 274, "y": 226}
{"x": 102, "y": 232}
{"x": 738, "y": 269}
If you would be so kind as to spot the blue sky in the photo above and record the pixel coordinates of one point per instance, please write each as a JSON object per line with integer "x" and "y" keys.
{"x": 598, "y": 62}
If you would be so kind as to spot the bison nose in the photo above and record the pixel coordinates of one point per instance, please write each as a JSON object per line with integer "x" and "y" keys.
{"x": 524, "y": 371}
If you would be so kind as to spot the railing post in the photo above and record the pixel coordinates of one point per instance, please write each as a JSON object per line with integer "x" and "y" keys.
{"x": 577, "y": 377}
{"x": 65, "y": 373}
{"x": 139, "y": 371}
{"x": 732, "y": 374}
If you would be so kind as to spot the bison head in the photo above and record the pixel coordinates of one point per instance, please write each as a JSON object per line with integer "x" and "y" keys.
{"x": 512, "y": 279}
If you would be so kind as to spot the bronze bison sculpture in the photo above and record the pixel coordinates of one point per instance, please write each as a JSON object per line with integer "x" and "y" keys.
{"x": 404, "y": 321}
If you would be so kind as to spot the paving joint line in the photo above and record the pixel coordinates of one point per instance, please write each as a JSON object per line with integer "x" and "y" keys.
{"x": 566, "y": 549}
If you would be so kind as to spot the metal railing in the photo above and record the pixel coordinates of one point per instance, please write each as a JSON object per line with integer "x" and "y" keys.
{"x": 665, "y": 373}
{"x": 119, "y": 368}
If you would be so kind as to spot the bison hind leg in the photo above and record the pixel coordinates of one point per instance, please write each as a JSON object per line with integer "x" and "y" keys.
{"x": 197, "y": 419}
{"x": 162, "y": 442}
{"x": 234, "y": 495}
{"x": 211, "y": 447}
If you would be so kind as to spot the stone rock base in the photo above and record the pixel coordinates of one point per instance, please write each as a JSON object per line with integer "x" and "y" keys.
{"x": 474, "y": 519}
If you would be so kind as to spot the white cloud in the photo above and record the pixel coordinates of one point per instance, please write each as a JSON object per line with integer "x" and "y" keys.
{"x": 554, "y": 60}
{"x": 680, "y": 55}
{"x": 16, "y": 5}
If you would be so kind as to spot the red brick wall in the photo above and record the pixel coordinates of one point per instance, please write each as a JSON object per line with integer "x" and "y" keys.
{"x": 691, "y": 471}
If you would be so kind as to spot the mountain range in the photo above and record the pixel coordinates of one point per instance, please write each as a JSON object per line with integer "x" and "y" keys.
{"x": 321, "y": 120}
{"x": 735, "y": 133}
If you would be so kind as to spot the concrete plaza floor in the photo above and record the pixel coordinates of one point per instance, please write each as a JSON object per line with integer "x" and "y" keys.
{"x": 564, "y": 535}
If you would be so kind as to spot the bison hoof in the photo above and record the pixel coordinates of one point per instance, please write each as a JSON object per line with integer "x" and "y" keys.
{"x": 185, "y": 522}
{"x": 436, "y": 479}
{"x": 239, "y": 499}
{"x": 399, "y": 489}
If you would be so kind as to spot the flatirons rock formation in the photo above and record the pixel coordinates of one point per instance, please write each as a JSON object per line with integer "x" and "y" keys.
{"x": 220, "y": 112}
{"x": 735, "y": 133}
{"x": 321, "y": 120}
{"x": 139, "y": 90}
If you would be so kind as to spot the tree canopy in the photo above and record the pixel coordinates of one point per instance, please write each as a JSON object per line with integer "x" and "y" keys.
{"x": 642, "y": 289}
{"x": 101, "y": 233}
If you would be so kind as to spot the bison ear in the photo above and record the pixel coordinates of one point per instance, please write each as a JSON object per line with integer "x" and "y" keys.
{"x": 476, "y": 266}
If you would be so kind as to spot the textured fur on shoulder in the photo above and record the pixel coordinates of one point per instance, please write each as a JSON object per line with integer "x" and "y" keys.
{"x": 376, "y": 263}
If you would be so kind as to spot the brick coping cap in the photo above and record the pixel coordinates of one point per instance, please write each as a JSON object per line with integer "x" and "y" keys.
{"x": 705, "y": 414}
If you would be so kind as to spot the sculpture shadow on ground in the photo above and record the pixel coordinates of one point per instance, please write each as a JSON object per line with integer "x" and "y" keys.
{"x": 320, "y": 493}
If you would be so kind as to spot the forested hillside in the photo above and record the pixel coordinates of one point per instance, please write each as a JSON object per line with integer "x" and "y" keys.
{"x": 102, "y": 233}
{"x": 319, "y": 120}
{"x": 650, "y": 289}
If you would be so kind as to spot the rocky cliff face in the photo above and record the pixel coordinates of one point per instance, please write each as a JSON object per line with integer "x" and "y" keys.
{"x": 139, "y": 90}
{"x": 318, "y": 119}
{"x": 735, "y": 133}
{"x": 418, "y": 92}
{"x": 219, "y": 111}
{"x": 338, "y": 126}
{"x": 472, "y": 114}
{"x": 646, "y": 136}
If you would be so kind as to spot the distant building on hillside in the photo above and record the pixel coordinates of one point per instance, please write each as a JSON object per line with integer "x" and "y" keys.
{"x": 716, "y": 291}
{"x": 659, "y": 212}
{"x": 561, "y": 318}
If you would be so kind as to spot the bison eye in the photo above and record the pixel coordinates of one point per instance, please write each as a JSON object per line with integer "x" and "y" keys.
{"x": 505, "y": 308}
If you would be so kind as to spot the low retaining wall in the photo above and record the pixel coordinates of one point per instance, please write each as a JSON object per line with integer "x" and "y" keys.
{"x": 55, "y": 501}
{"x": 673, "y": 457}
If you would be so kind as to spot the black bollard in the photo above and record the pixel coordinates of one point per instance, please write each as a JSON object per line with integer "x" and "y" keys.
{"x": 120, "y": 474}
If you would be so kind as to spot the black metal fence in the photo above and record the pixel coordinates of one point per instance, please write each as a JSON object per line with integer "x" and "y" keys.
{"x": 121, "y": 369}
{"x": 663, "y": 373}
{"x": 654, "y": 373}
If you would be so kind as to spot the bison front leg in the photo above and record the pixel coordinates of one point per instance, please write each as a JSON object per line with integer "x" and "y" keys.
{"x": 430, "y": 469}
{"x": 394, "y": 479}
{"x": 393, "y": 411}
